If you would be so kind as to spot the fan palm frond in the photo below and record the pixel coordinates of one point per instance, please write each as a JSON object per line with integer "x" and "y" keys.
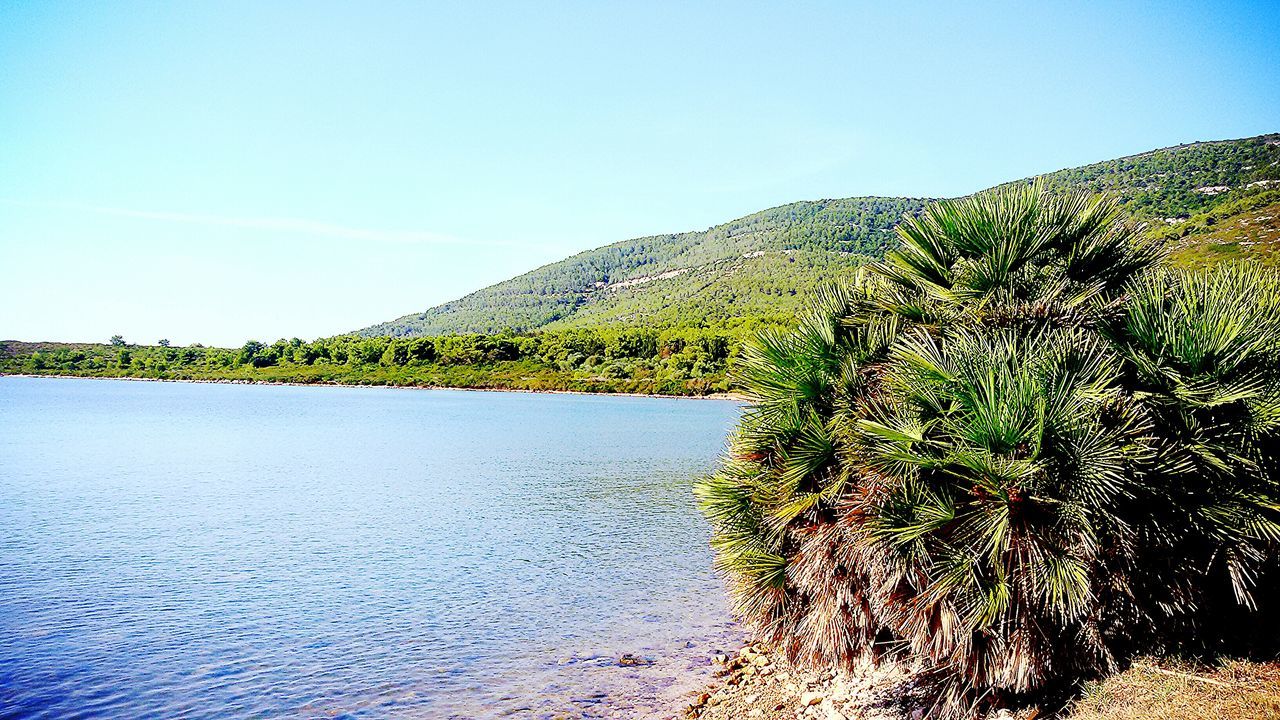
{"x": 1017, "y": 448}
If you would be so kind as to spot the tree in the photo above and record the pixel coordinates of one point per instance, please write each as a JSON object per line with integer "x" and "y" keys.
{"x": 396, "y": 353}
{"x": 251, "y": 353}
{"x": 118, "y": 341}
{"x": 163, "y": 342}
{"x": 1019, "y": 449}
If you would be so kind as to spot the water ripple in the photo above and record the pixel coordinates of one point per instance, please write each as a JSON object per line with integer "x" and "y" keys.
{"x": 207, "y": 551}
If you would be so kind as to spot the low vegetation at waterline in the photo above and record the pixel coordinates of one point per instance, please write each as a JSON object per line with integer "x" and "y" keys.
{"x": 1018, "y": 452}
{"x": 673, "y": 361}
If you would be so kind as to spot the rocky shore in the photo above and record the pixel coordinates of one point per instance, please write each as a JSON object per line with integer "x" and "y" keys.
{"x": 757, "y": 682}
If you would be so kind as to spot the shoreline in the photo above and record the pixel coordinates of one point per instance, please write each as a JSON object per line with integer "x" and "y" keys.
{"x": 758, "y": 682}
{"x": 731, "y": 397}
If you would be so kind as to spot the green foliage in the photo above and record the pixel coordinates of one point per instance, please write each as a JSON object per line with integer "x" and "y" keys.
{"x": 677, "y": 361}
{"x": 618, "y": 280}
{"x": 1018, "y": 450}
{"x": 1180, "y": 181}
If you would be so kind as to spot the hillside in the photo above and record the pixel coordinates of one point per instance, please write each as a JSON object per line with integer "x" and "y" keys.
{"x": 640, "y": 278}
{"x": 764, "y": 264}
{"x": 1247, "y": 227}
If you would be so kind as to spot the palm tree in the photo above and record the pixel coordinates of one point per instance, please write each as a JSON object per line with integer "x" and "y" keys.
{"x": 1015, "y": 450}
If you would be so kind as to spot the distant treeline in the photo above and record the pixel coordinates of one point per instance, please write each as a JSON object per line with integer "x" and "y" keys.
{"x": 674, "y": 361}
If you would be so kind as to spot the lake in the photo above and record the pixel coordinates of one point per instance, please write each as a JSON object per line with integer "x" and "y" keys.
{"x": 216, "y": 551}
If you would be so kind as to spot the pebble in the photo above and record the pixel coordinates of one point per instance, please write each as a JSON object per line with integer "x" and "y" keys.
{"x": 811, "y": 698}
{"x": 759, "y": 683}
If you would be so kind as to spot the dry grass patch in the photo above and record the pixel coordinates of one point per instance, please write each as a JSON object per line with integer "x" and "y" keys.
{"x": 1156, "y": 690}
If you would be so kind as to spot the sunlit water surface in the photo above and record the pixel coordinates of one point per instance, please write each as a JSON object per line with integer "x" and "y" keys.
{"x": 221, "y": 551}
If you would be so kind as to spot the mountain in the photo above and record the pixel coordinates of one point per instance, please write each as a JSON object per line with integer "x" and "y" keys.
{"x": 763, "y": 265}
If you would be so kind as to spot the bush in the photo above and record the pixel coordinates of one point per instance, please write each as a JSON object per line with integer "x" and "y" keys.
{"x": 1019, "y": 450}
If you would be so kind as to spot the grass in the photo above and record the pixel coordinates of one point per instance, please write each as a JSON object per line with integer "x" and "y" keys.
{"x": 1248, "y": 230}
{"x": 1164, "y": 690}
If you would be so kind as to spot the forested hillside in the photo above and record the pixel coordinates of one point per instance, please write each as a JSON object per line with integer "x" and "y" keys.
{"x": 763, "y": 265}
{"x": 643, "y": 277}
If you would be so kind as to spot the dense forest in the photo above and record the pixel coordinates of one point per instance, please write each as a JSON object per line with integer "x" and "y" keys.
{"x": 747, "y": 267}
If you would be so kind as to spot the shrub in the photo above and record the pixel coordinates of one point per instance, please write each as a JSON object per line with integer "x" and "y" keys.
{"x": 1018, "y": 450}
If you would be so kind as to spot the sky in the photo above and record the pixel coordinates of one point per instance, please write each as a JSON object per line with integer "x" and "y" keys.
{"x": 216, "y": 172}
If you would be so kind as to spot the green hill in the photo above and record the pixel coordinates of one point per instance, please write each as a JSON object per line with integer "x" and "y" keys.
{"x": 1199, "y": 195}
{"x": 654, "y": 277}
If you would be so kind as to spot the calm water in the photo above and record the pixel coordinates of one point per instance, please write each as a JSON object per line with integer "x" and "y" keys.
{"x": 221, "y": 551}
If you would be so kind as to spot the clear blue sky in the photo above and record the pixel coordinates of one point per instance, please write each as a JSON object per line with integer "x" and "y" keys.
{"x": 214, "y": 172}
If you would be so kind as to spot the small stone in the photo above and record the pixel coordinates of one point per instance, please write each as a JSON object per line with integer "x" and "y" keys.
{"x": 761, "y": 660}
{"x": 811, "y": 698}
{"x": 756, "y": 713}
{"x": 720, "y": 658}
